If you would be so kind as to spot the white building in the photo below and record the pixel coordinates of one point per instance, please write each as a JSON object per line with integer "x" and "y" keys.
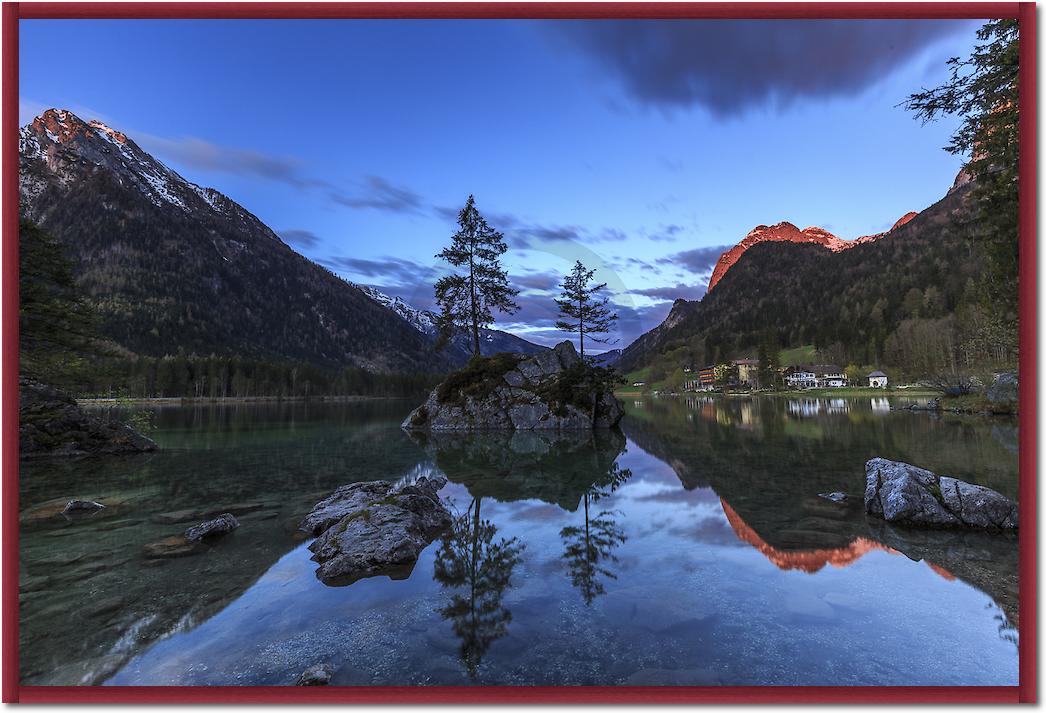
{"x": 877, "y": 380}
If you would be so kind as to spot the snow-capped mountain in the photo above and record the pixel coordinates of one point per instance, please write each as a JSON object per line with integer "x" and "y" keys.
{"x": 175, "y": 267}
{"x": 492, "y": 341}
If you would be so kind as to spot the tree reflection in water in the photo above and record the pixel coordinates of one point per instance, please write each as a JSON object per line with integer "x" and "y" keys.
{"x": 590, "y": 548}
{"x": 469, "y": 559}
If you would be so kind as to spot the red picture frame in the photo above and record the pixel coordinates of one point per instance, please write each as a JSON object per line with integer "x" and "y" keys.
{"x": 1024, "y": 692}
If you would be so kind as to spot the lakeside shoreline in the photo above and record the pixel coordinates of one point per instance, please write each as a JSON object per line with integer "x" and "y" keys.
{"x": 207, "y": 400}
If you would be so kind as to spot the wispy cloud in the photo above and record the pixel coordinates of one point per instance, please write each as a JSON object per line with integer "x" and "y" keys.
{"x": 697, "y": 260}
{"x": 300, "y": 238}
{"x": 379, "y": 194}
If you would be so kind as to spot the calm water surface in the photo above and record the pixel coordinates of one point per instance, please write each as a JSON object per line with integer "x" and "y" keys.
{"x": 689, "y": 549}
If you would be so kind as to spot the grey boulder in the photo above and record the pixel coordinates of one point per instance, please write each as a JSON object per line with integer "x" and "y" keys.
{"x": 221, "y": 525}
{"x": 904, "y": 494}
{"x": 375, "y": 528}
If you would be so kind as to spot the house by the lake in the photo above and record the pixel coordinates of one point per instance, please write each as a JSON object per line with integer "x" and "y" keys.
{"x": 877, "y": 380}
{"x": 748, "y": 372}
{"x": 821, "y": 376}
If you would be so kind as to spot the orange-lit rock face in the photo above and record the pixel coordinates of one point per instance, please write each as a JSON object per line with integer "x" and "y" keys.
{"x": 63, "y": 126}
{"x": 787, "y": 232}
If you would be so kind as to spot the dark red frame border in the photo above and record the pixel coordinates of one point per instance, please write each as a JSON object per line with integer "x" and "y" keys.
{"x": 1025, "y": 692}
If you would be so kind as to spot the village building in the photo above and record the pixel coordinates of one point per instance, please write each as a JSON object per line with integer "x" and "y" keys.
{"x": 747, "y": 372}
{"x": 800, "y": 377}
{"x": 877, "y": 380}
{"x": 822, "y": 376}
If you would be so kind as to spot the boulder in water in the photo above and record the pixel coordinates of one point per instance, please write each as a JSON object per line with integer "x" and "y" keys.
{"x": 318, "y": 675}
{"x": 221, "y": 525}
{"x": 375, "y": 528}
{"x": 904, "y": 494}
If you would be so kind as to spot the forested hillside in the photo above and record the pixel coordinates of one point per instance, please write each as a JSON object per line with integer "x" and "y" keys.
{"x": 907, "y": 300}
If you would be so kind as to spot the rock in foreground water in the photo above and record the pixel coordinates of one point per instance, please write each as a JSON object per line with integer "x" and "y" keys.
{"x": 221, "y": 525}
{"x": 904, "y": 494}
{"x": 374, "y": 528}
{"x": 318, "y": 675}
{"x": 553, "y": 390}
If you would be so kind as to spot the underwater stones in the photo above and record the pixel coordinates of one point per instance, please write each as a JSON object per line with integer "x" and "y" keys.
{"x": 835, "y": 497}
{"x": 374, "y": 528}
{"x": 221, "y": 525}
{"x": 318, "y": 675}
{"x": 174, "y": 546}
{"x": 904, "y": 494}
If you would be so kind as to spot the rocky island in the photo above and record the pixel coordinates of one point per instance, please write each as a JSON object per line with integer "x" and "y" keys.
{"x": 553, "y": 390}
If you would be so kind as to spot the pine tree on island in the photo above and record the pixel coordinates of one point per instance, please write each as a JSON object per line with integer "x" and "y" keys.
{"x": 466, "y": 299}
{"x": 583, "y": 312}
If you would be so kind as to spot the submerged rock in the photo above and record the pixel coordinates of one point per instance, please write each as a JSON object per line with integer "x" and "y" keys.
{"x": 174, "y": 546}
{"x": 81, "y": 507}
{"x": 374, "y": 528}
{"x": 51, "y": 423}
{"x": 553, "y": 390}
{"x": 221, "y": 525}
{"x": 904, "y": 494}
{"x": 835, "y": 497}
{"x": 318, "y": 675}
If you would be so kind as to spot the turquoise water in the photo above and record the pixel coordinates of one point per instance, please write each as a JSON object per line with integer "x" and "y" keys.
{"x": 691, "y": 548}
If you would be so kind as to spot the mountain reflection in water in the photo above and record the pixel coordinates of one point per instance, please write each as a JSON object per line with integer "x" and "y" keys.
{"x": 690, "y": 548}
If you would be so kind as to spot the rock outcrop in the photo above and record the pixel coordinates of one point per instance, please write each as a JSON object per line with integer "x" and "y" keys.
{"x": 904, "y": 494}
{"x": 51, "y": 423}
{"x": 375, "y": 528}
{"x": 554, "y": 390}
{"x": 1003, "y": 390}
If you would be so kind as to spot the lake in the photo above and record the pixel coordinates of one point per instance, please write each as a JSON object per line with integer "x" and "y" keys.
{"x": 690, "y": 548}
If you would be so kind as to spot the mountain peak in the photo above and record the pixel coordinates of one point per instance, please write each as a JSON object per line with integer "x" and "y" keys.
{"x": 788, "y": 232}
{"x": 60, "y": 125}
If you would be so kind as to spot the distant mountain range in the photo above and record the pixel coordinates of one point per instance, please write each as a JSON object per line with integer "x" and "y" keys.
{"x": 491, "y": 341}
{"x": 175, "y": 267}
{"x": 810, "y": 287}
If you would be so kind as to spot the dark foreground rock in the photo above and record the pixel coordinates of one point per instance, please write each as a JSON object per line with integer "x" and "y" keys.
{"x": 318, "y": 675}
{"x": 553, "y": 390}
{"x": 904, "y": 494}
{"x": 51, "y": 423}
{"x": 221, "y": 525}
{"x": 374, "y": 528}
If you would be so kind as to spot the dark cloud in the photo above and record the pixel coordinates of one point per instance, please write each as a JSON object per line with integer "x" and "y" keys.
{"x": 377, "y": 193}
{"x": 730, "y": 66}
{"x": 699, "y": 260}
{"x": 679, "y": 291}
{"x": 300, "y": 238}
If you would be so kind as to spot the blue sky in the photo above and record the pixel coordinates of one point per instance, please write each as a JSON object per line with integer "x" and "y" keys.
{"x": 642, "y": 148}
